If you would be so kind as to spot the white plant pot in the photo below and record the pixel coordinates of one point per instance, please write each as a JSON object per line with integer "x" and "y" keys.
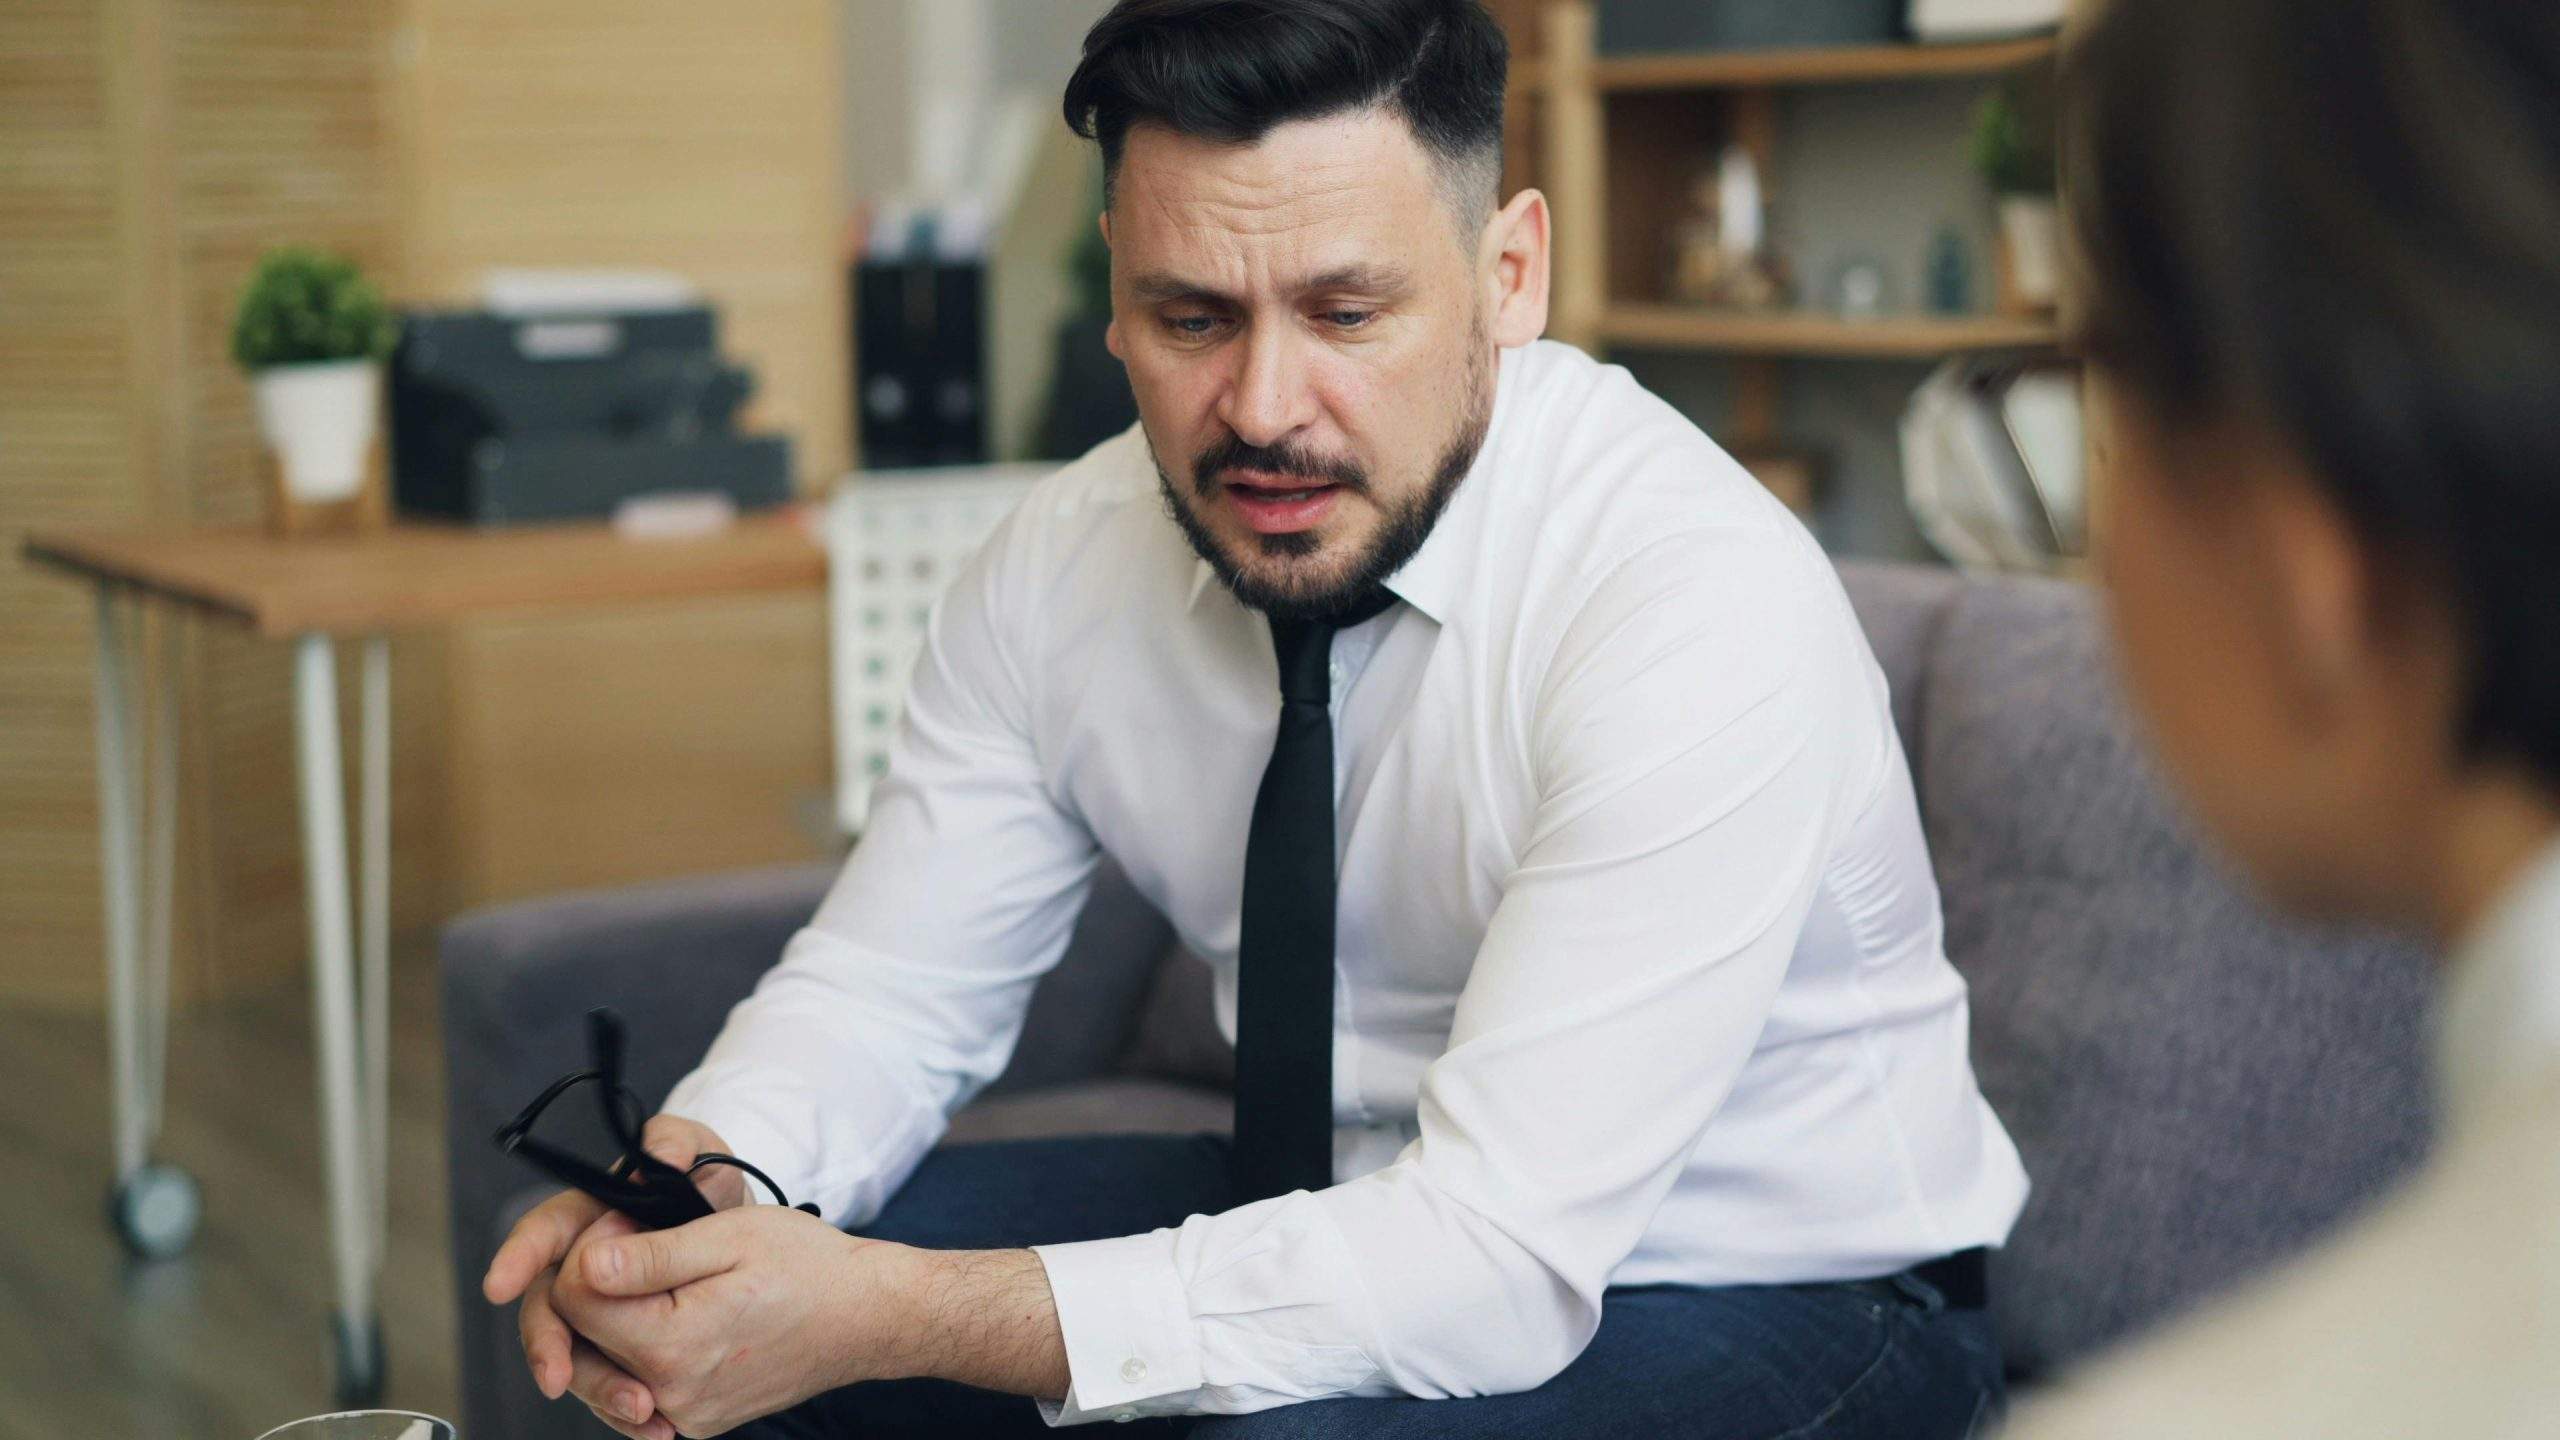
{"x": 2031, "y": 239}
{"x": 320, "y": 419}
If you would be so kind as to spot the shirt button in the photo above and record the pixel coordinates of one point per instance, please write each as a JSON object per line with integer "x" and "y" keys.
{"x": 1124, "y": 1417}
{"x": 1133, "y": 1370}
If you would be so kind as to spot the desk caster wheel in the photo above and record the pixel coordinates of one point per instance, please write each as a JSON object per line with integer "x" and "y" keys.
{"x": 360, "y": 1364}
{"x": 156, "y": 1211}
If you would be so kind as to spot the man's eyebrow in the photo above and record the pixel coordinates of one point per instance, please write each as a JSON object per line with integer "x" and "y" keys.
{"x": 1157, "y": 286}
{"x": 1154, "y": 287}
{"x": 1361, "y": 280}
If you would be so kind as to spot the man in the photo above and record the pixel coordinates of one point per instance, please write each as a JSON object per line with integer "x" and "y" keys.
{"x": 1519, "y": 766}
{"x": 2323, "y": 292}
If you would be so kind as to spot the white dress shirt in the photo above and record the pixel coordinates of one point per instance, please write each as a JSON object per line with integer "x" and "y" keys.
{"x": 2439, "y": 1315}
{"x": 1639, "y": 974}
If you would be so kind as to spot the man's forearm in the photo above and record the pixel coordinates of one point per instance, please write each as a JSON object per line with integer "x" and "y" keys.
{"x": 985, "y": 1318}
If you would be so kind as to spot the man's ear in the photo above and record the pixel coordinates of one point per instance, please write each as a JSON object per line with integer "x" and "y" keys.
{"x": 2318, "y": 587}
{"x": 1513, "y": 260}
{"x": 1111, "y": 331}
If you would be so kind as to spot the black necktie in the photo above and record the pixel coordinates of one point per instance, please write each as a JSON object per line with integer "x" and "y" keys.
{"x": 1284, "y": 988}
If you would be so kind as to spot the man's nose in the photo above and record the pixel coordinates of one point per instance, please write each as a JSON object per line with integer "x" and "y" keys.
{"x": 1270, "y": 397}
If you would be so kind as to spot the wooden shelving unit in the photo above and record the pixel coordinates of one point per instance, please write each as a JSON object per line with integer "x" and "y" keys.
{"x": 1812, "y": 333}
{"x": 1866, "y": 64}
{"x": 1622, "y": 138}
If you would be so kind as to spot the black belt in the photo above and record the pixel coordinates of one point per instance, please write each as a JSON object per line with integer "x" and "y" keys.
{"x": 1963, "y": 1279}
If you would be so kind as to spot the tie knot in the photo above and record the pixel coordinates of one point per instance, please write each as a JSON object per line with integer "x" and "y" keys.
{"x": 1305, "y": 648}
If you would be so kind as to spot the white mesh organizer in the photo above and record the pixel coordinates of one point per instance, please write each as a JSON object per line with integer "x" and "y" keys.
{"x": 895, "y": 538}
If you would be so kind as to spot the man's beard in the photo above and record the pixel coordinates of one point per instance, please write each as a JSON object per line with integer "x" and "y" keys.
{"x": 1407, "y": 525}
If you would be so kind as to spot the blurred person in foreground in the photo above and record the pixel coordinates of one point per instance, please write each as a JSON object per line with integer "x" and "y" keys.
{"x": 2321, "y": 244}
{"x": 1519, "y": 766}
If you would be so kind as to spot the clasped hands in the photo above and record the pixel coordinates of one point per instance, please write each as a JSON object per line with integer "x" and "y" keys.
{"x": 698, "y": 1329}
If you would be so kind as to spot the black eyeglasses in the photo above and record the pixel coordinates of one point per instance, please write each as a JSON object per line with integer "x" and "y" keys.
{"x": 649, "y": 1190}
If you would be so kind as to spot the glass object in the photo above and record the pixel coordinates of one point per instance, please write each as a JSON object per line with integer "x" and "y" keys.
{"x": 1950, "y": 273}
{"x": 1719, "y": 250}
{"x": 364, "y": 1425}
{"x": 1860, "y": 290}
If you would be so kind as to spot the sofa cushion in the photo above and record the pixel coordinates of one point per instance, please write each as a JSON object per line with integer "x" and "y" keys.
{"x": 1178, "y": 1037}
{"x": 1084, "y": 1012}
{"x": 2197, "y": 1088}
{"x": 1902, "y": 608}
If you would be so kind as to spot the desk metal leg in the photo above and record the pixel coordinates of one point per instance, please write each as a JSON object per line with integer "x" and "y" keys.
{"x": 374, "y": 925}
{"x": 154, "y": 1206}
{"x": 343, "y": 1101}
{"x": 120, "y": 863}
{"x": 161, "y": 804}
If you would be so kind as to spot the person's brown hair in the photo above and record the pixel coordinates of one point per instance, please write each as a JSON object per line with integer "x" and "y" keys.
{"x": 2340, "y": 219}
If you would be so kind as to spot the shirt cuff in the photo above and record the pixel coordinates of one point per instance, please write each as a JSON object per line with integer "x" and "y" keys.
{"x": 748, "y": 1137}
{"x": 1132, "y": 1349}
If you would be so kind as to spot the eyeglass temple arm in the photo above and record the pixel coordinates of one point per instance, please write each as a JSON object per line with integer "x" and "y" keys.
{"x": 605, "y": 1044}
{"x": 514, "y": 1131}
{"x": 570, "y": 1169}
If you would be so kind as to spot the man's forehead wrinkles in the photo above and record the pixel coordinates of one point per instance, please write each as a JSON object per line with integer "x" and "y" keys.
{"x": 1356, "y": 276}
{"x": 1262, "y": 211}
{"x": 1254, "y": 193}
{"x": 1329, "y": 211}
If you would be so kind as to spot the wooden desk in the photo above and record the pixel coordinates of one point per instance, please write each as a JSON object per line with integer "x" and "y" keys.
{"x": 428, "y": 574}
{"x": 313, "y": 590}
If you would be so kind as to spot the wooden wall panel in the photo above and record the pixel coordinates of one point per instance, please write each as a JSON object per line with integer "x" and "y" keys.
{"x": 65, "y": 457}
{"x": 668, "y": 740}
{"x": 279, "y": 133}
{"x": 149, "y": 151}
{"x": 667, "y": 135}
{"x": 653, "y": 133}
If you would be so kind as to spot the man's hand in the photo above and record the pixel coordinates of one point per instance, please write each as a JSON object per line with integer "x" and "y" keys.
{"x": 527, "y": 1265}
{"x": 737, "y": 1315}
{"x": 743, "y": 1313}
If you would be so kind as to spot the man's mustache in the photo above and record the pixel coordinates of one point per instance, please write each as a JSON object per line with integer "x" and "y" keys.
{"x": 1234, "y": 454}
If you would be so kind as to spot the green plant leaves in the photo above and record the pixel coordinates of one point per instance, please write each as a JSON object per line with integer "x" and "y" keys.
{"x": 2013, "y": 140}
{"x": 304, "y": 306}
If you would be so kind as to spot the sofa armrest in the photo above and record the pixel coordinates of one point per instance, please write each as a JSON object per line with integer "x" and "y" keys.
{"x": 673, "y": 958}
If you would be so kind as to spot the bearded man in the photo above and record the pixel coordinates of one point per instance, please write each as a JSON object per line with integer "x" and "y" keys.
{"x": 1519, "y": 768}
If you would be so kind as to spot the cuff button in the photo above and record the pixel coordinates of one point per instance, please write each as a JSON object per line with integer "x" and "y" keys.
{"x": 1133, "y": 1370}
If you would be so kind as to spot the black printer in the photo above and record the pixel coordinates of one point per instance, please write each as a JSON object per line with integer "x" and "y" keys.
{"x": 503, "y": 417}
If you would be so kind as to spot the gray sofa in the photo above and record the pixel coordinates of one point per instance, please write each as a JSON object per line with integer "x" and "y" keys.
{"x": 2196, "y": 1087}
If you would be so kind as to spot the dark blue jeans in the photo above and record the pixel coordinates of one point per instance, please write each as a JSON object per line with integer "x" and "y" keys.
{"x": 1882, "y": 1358}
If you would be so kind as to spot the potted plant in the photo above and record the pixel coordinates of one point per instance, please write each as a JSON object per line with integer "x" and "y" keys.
{"x": 311, "y": 333}
{"x": 2013, "y": 148}
{"x": 1089, "y": 396}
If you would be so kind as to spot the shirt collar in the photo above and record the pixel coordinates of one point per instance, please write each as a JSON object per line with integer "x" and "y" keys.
{"x": 1429, "y": 582}
{"x": 2501, "y": 1016}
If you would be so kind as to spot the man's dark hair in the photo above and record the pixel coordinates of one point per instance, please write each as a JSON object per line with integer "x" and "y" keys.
{"x": 2340, "y": 219}
{"x": 1230, "y": 70}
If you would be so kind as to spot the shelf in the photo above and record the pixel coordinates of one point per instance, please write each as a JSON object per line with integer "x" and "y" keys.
{"x": 1918, "y": 337}
{"x": 1745, "y": 69}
